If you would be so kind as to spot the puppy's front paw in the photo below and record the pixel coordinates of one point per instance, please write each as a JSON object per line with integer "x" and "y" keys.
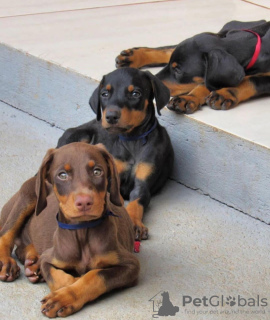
{"x": 184, "y": 104}
{"x": 222, "y": 99}
{"x": 124, "y": 59}
{"x": 141, "y": 231}
{"x": 60, "y": 303}
{"x": 32, "y": 269}
{"x": 131, "y": 58}
{"x": 9, "y": 270}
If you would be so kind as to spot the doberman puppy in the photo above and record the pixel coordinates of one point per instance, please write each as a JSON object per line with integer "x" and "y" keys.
{"x": 221, "y": 69}
{"x": 126, "y": 124}
{"x": 79, "y": 235}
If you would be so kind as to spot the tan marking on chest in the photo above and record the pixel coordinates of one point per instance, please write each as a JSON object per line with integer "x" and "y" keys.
{"x": 143, "y": 170}
{"x": 121, "y": 166}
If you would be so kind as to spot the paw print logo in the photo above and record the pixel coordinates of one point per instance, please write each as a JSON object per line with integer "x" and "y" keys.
{"x": 230, "y": 301}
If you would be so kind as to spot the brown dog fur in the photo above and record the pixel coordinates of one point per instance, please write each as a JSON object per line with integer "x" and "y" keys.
{"x": 78, "y": 265}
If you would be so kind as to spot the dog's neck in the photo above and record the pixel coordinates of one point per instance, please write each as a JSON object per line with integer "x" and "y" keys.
{"x": 64, "y": 223}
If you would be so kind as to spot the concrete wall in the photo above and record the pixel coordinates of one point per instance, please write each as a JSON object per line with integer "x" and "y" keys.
{"x": 223, "y": 166}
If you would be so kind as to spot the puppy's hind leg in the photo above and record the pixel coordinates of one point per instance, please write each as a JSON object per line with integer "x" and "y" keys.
{"x": 13, "y": 217}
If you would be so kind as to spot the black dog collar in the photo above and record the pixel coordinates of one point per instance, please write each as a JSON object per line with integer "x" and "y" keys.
{"x": 142, "y": 136}
{"x": 84, "y": 225}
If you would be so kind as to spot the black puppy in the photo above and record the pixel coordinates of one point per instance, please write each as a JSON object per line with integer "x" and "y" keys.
{"x": 235, "y": 62}
{"x": 126, "y": 124}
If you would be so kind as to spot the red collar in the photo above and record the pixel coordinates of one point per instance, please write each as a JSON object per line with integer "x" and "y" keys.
{"x": 257, "y": 49}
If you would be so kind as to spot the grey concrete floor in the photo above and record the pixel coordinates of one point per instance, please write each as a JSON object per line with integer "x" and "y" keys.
{"x": 198, "y": 247}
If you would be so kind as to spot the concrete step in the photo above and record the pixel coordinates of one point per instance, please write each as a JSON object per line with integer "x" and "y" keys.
{"x": 224, "y": 155}
{"x": 198, "y": 247}
{"x": 54, "y": 53}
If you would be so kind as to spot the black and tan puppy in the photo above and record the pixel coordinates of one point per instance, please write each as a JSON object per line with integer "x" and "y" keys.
{"x": 220, "y": 69}
{"x": 80, "y": 236}
{"x": 127, "y": 125}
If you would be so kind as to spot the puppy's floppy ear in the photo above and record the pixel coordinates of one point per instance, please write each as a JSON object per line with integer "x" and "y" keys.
{"x": 94, "y": 101}
{"x": 222, "y": 70}
{"x": 115, "y": 196}
{"x": 41, "y": 190}
{"x": 161, "y": 92}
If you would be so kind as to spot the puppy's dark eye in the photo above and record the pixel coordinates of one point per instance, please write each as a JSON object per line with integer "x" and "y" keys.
{"x": 97, "y": 172}
{"x": 135, "y": 94}
{"x": 104, "y": 94}
{"x": 63, "y": 175}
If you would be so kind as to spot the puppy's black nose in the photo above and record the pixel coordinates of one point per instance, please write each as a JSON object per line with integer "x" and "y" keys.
{"x": 112, "y": 116}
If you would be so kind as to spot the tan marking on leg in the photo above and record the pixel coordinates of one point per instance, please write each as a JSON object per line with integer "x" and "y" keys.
{"x": 105, "y": 261}
{"x": 147, "y": 56}
{"x": 177, "y": 89}
{"x": 70, "y": 299}
{"x": 7, "y": 240}
{"x": 30, "y": 251}
{"x": 245, "y": 90}
{"x": 227, "y": 98}
{"x": 59, "y": 279}
{"x": 90, "y": 286}
{"x": 135, "y": 211}
{"x": 201, "y": 93}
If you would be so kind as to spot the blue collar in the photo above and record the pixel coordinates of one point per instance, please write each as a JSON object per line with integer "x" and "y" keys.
{"x": 84, "y": 225}
{"x": 142, "y": 136}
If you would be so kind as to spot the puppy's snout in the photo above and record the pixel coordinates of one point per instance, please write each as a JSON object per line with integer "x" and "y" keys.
{"x": 83, "y": 202}
{"x": 112, "y": 116}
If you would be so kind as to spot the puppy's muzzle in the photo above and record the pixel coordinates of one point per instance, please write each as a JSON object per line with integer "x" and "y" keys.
{"x": 112, "y": 116}
{"x": 83, "y": 202}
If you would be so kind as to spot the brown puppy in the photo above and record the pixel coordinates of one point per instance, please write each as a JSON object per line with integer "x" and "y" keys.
{"x": 88, "y": 251}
